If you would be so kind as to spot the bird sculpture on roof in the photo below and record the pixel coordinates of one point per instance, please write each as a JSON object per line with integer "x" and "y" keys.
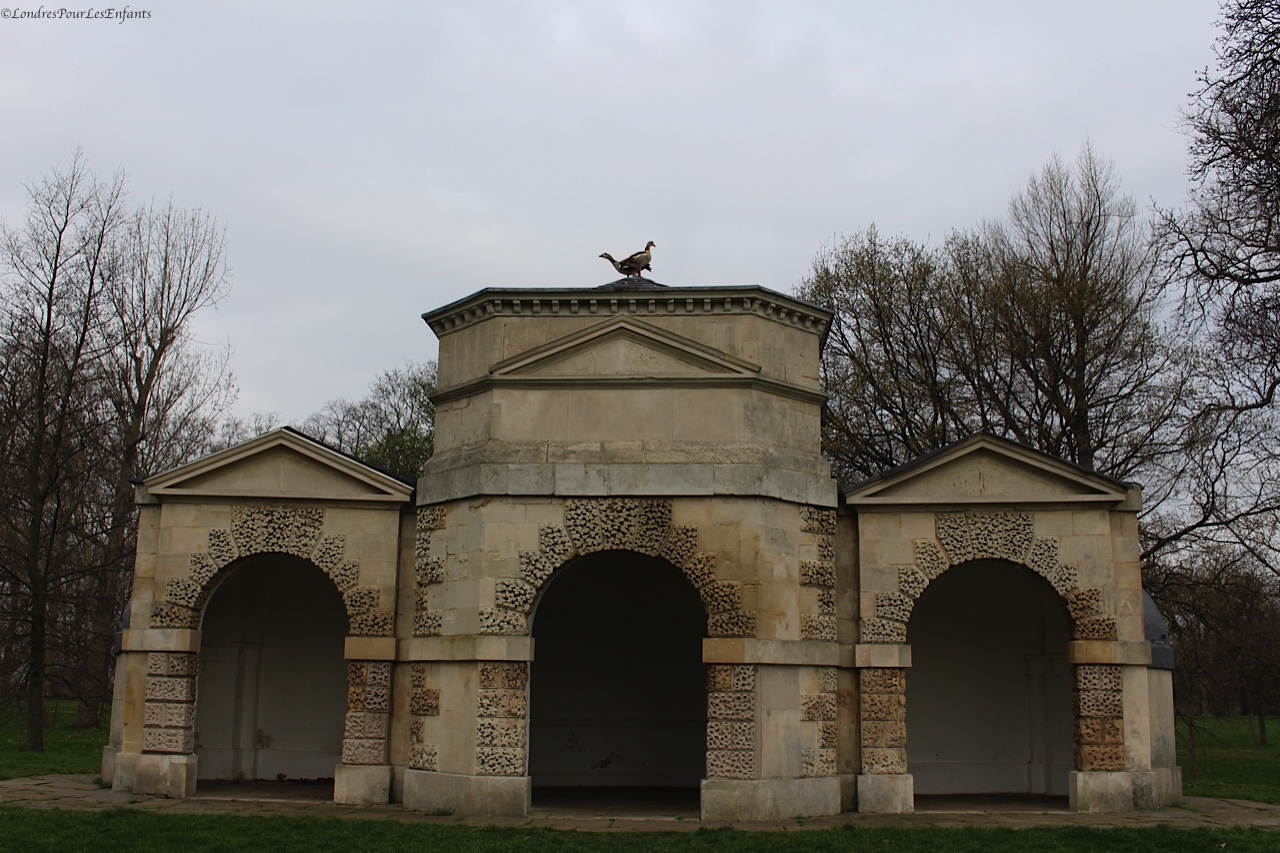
{"x": 633, "y": 265}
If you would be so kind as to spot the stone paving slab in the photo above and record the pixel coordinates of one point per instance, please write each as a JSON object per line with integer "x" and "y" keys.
{"x": 80, "y": 792}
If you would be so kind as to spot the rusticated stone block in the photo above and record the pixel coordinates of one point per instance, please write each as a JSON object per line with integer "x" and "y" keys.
{"x": 928, "y": 558}
{"x": 881, "y": 733}
{"x": 501, "y": 703}
{"x": 680, "y": 545}
{"x": 818, "y": 520}
{"x": 183, "y": 592}
{"x": 1083, "y": 603}
{"x": 1097, "y": 730}
{"x": 169, "y": 741}
{"x": 985, "y": 535}
{"x": 377, "y": 699}
{"x": 418, "y": 675}
{"x": 817, "y": 706}
{"x": 421, "y": 597}
{"x": 170, "y": 689}
{"x": 817, "y": 762}
{"x": 814, "y": 573}
{"x": 731, "y": 764}
{"x": 422, "y": 756}
{"x": 201, "y": 569}
{"x": 1096, "y": 628}
{"x": 362, "y": 724}
{"x": 357, "y": 673}
{"x": 884, "y": 761}
{"x": 894, "y": 605}
{"x": 432, "y": 517}
{"x": 1043, "y": 555}
{"x": 700, "y": 570}
{"x": 554, "y": 542}
{"x": 514, "y": 595}
{"x": 173, "y": 664}
{"x": 499, "y": 761}
{"x": 169, "y": 715}
{"x": 719, "y": 678}
{"x": 345, "y": 575}
{"x": 884, "y": 706}
{"x": 911, "y": 582}
{"x": 356, "y": 698}
{"x": 494, "y": 621}
{"x": 536, "y": 567}
{"x": 503, "y": 675}
{"x": 428, "y": 623}
{"x": 424, "y": 702}
{"x": 1098, "y": 677}
{"x": 222, "y": 550}
{"x": 500, "y": 732}
{"x": 721, "y": 596}
{"x": 377, "y": 624}
{"x": 429, "y": 570}
{"x": 730, "y": 735}
{"x": 279, "y": 529}
{"x": 165, "y": 614}
{"x": 828, "y": 734}
{"x": 882, "y": 680}
{"x": 743, "y": 676}
{"x": 328, "y": 553}
{"x": 417, "y": 729}
{"x": 735, "y": 623}
{"x": 731, "y": 706}
{"x": 1099, "y": 703}
{"x": 827, "y": 602}
{"x": 364, "y": 751}
{"x": 826, "y": 549}
{"x": 378, "y": 673}
{"x": 827, "y": 679}
{"x": 882, "y": 631}
{"x": 1099, "y": 758}
{"x": 817, "y": 627}
{"x": 361, "y": 599}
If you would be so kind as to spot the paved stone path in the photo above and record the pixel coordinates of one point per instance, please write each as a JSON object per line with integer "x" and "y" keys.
{"x": 79, "y": 792}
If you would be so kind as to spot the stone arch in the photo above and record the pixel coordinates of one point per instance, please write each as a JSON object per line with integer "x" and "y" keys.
{"x": 255, "y": 530}
{"x": 643, "y": 526}
{"x": 962, "y": 537}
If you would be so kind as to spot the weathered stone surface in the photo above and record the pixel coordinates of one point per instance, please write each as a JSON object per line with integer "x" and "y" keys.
{"x": 428, "y": 623}
{"x": 499, "y": 761}
{"x": 169, "y": 714}
{"x": 828, "y": 734}
{"x": 515, "y": 595}
{"x": 894, "y": 605}
{"x": 170, "y": 689}
{"x": 817, "y": 706}
{"x": 276, "y": 529}
{"x": 985, "y": 535}
{"x": 1099, "y": 757}
{"x": 883, "y": 631}
{"x": 817, "y": 627}
{"x": 815, "y": 519}
{"x": 1099, "y": 730}
{"x": 735, "y": 623}
{"x": 911, "y": 581}
{"x": 731, "y": 706}
{"x": 817, "y": 762}
{"x": 819, "y": 574}
{"x": 721, "y": 596}
{"x": 884, "y": 760}
{"x": 730, "y": 735}
{"x": 827, "y": 679}
{"x": 364, "y": 725}
{"x": 165, "y": 614}
{"x": 329, "y": 552}
{"x": 826, "y": 549}
{"x": 731, "y": 764}
{"x": 184, "y": 593}
{"x": 881, "y": 733}
{"x": 929, "y": 559}
{"x": 1096, "y": 628}
{"x": 171, "y": 741}
{"x": 1083, "y": 603}
{"x": 361, "y": 599}
{"x": 429, "y": 570}
{"x": 882, "y": 680}
{"x": 884, "y": 706}
{"x": 680, "y": 545}
{"x": 377, "y": 624}
{"x": 827, "y": 602}
{"x": 504, "y": 675}
{"x": 500, "y": 732}
{"x": 501, "y": 703}
{"x": 700, "y": 570}
{"x": 1098, "y": 677}
{"x": 1099, "y": 703}
{"x": 494, "y": 621}
{"x": 422, "y": 756}
{"x": 364, "y": 751}
{"x": 424, "y": 701}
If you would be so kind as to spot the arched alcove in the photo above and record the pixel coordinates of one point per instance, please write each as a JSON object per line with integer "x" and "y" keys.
{"x": 618, "y": 687}
{"x": 989, "y": 689}
{"x": 272, "y": 690}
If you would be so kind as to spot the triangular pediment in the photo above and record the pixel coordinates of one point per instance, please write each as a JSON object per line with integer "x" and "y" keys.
{"x": 987, "y": 470}
{"x": 623, "y": 347}
{"x": 281, "y": 465}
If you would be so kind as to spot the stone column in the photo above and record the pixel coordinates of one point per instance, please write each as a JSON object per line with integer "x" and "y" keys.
{"x": 1099, "y": 782}
{"x": 167, "y": 766}
{"x": 884, "y": 786}
{"x": 364, "y": 776}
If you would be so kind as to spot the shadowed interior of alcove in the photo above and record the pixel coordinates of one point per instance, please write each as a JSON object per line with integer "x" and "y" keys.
{"x": 989, "y": 689}
{"x": 618, "y": 687}
{"x": 272, "y": 686}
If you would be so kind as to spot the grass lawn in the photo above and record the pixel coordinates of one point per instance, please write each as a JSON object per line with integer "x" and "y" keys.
{"x": 1233, "y": 763}
{"x": 65, "y": 832}
{"x": 66, "y": 750}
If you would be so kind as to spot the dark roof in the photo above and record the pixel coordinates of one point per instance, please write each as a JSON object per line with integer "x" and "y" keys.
{"x": 1157, "y": 633}
{"x": 632, "y": 282}
{"x": 933, "y": 454}
{"x": 353, "y": 458}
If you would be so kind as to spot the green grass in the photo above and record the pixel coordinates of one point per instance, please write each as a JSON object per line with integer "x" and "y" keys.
{"x": 66, "y": 750}
{"x": 119, "y": 829}
{"x": 1233, "y": 763}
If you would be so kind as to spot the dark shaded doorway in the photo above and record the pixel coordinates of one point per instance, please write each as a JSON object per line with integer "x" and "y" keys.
{"x": 989, "y": 689}
{"x": 272, "y": 691}
{"x": 618, "y": 687}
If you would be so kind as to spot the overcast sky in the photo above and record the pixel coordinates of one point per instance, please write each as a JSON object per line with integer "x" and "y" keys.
{"x": 373, "y": 161}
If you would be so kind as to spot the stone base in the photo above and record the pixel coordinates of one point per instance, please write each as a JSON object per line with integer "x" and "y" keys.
{"x": 848, "y": 792}
{"x": 1168, "y": 786}
{"x": 1116, "y": 792}
{"x": 109, "y": 754}
{"x": 467, "y": 796}
{"x": 887, "y": 794}
{"x": 362, "y": 784}
{"x": 769, "y": 799}
{"x": 165, "y": 775}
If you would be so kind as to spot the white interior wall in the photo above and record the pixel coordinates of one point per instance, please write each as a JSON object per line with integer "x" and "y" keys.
{"x": 273, "y": 683}
{"x": 989, "y": 690}
{"x": 618, "y": 688}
